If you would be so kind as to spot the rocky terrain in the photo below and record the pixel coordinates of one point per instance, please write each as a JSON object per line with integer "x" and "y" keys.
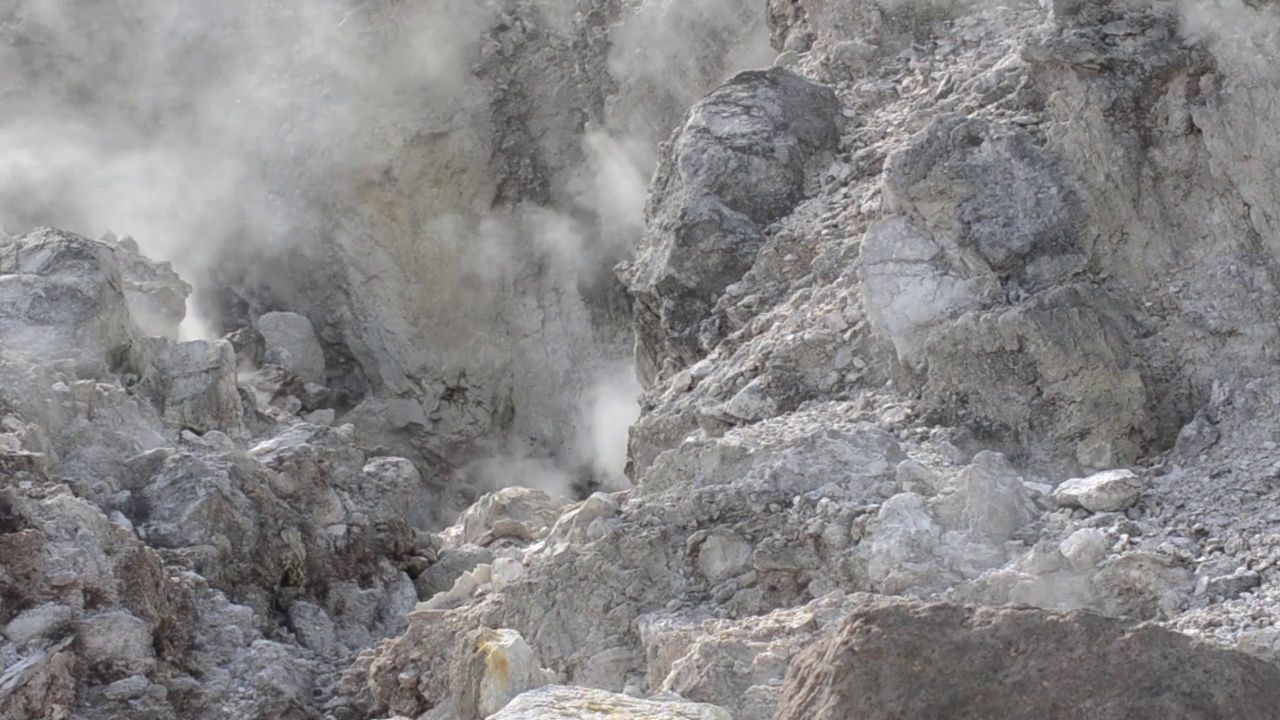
{"x": 639, "y": 359}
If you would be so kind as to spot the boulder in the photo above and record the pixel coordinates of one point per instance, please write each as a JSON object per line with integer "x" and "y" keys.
{"x": 744, "y": 157}
{"x": 197, "y": 386}
{"x": 291, "y": 343}
{"x": 576, "y": 703}
{"x": 899, "y": 659}
{"x": 62, "y": 296}
{"x": 490, "y": 668}
{"x": 1111, "y": 491}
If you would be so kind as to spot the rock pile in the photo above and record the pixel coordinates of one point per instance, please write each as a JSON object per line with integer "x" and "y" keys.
{"x": 956, "y": 335}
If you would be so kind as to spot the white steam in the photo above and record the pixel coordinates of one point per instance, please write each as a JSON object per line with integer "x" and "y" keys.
{"x": 203, "y": 129}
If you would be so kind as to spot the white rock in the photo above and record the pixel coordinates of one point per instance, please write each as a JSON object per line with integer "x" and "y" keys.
{"x": 1110, "y": 491}
{"x": 1084, "y": 548}
{"x": 506, "y": 571}
{"x": 724, "y": 555}
{"x": 575, "y": 703}
{"x": 39, "y": 621}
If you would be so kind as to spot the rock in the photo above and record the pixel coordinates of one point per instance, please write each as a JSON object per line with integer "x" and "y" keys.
{"x": 1196, "y": 437}
{"x": 505, "y": 572}
{"x": 907, "y": 292}
{"x": 314, "y": 627}
{"x": 290, "y": 342}
{"x": 741, "y": 160}
{"x": 321, "y": 417}
{"x": 1111, "y": 491}
{"x": 576, "y": 703}
{"x": 938, "y": 661}
{"x": 904, "y": 538}
{"x": 402, "y": 485}
{"x": 490, "y": 668}
{"x": 1143, "y": 585}
{"x": 116, "y": 644}
{"x": 722, "y": 556}
{"x": 987, "y": 500}
{"x": 62, "y": 296}
{"x": 1088, "y": 383}
{"x": 515, "y": 512}
{"x": 197, "y": 386}
{"x": 752, "y": 403}
{"x": 1229, "y": 586}
{"x": 1084, "y": 548}
{"x": 40, "y": 685}
{"x": 134, "y": 686}
{"x": 156, "y": 295}
{"x": 741, "y": 663}
{"x": 38, "y": 622}
{"x": 452, "y": 563}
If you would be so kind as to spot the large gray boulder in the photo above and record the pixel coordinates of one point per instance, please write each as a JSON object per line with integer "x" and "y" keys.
{"x": 197, "y": 386}
{"x": 291, "y": 343}
{"x": 744, "y": 157}
{"x": 901, "y": 659}
{"x": 62, "y": 296}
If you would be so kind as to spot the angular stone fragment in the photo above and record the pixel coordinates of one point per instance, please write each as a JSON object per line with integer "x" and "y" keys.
{"x": 197, "y": 384}
{"x": 1111, "y": 491}
{"x": 291, "y": 343}
{"x": 62, "y": 296}
{"x": 575, "y": 703}
{"x": 490, "y": 668}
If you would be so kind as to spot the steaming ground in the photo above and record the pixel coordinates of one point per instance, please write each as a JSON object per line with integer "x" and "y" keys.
{"x": 952, "y": 303}
{"x": 238, "y": 138}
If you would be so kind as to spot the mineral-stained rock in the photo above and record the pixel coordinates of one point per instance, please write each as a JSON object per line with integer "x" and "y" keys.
{"x": 490, "y": 668}
{"x": 575, "y": 703}
{"x": 900, "y": 659}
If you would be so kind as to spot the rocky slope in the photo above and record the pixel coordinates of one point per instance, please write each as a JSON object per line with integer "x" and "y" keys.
{"x": 952, "y": 307}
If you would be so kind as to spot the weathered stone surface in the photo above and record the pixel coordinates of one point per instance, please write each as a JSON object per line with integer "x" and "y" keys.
{"x": 575, "y": 703}
{"x": 1111, "y": 491}
{"x": 898, "y": 659}
{"x": 62, "y": 296}
{"x": 490, "y": 668}
{"x": 291, "y": 343}
{"x": 740, "y": 161}
{"x": 196, "y": 384}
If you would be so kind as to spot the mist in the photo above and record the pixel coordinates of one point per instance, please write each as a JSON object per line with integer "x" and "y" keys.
{"x": 227, "y": 138}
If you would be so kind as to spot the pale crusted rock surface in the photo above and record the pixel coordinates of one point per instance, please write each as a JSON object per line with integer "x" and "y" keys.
{"x": 570, "y": 703}
{"x": 490, "y": 668}
{"x": 895, "y": 659}
{"x": 1114, "y": 491}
